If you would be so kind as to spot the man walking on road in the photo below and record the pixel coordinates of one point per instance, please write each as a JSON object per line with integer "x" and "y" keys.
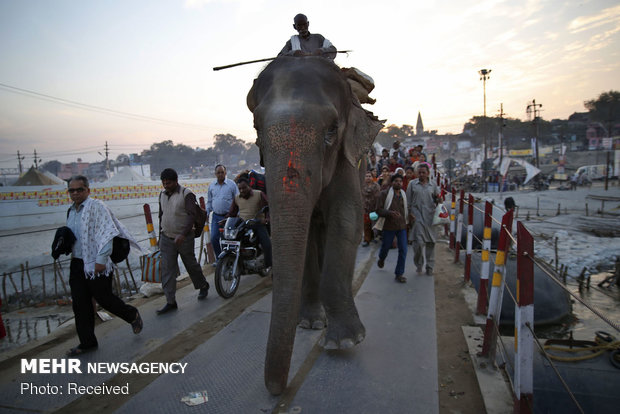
{"x": 219, "y": 199}
{"x": 392, "y": 210}
{"x": 423, "y": 198}
{"x": 177, "y": 210}
{"x": 94, "y": 227}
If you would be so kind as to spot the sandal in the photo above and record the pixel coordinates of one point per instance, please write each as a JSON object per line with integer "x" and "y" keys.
{"x": 77, "y": 351}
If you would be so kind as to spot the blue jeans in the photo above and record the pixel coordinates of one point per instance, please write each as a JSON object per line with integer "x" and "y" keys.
{"x": 401, "y": 242}
{"x": 215, "y": 234}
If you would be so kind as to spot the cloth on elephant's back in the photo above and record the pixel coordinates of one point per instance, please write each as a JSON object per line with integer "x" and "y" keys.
{"x": 361, "y": 84}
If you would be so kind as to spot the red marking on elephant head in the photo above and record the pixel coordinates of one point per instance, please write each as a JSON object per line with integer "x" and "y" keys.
{"x": 295, "y": 139}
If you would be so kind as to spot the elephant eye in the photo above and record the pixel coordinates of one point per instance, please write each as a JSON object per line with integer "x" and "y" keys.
{"x": 331, "y": 133}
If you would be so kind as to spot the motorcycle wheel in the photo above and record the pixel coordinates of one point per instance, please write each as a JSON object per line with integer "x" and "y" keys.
{"x": 227, "y": 283}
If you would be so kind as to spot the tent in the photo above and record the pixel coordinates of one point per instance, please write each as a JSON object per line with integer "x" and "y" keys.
{"x": 36, "y": 177}
{"x": 127, "y": 174}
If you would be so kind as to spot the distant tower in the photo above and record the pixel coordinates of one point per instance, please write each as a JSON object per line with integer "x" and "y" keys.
{"x": 419, "y": 127}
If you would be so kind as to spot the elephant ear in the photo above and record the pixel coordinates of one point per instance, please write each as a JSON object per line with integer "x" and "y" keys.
{"x": 250, "y": 100}
{"x": 362, "y": 129}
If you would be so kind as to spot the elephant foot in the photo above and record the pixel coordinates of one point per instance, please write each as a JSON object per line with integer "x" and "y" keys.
{"x": 343, "y": 335}
{"x": 312, "y": 317}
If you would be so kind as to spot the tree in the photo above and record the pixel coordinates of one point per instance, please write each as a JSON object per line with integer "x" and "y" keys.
{"x": 122, "y": 159}
{"x": 167, "y": 155}
{"x": 391, "y": 133}
{"x": 52, "y": 166}
{"x": 228, "y": 144}
{"x": 605, "y": 109}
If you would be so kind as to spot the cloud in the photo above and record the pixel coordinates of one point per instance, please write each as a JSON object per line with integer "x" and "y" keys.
{"x": 551, "y": 35}
{"x": 197, "y": 4}
{"x": 606, "y": 16}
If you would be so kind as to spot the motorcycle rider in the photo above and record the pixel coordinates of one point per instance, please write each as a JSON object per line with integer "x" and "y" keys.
{"x": 246, "y": 205}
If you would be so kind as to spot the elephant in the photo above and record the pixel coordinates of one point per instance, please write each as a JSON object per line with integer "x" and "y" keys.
{"x": 312, "y": 135}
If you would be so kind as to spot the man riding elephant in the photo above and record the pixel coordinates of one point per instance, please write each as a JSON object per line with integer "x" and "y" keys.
{"x": 306, "y": 43}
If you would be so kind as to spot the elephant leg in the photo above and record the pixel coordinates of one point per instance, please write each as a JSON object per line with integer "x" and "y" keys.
{"x": 311, "y": 314}
{"x": 343, "y": 234}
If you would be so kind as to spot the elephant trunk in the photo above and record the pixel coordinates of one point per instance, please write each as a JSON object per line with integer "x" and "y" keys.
{"x": 290, "y": 234}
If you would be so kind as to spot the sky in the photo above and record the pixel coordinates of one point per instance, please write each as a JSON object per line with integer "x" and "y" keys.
{"x": 76, "y": 74}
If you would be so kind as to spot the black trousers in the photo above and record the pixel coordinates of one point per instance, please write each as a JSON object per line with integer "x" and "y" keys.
{"x": 83, "y": 290}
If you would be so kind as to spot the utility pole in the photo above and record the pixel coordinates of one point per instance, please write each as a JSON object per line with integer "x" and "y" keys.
{"x": 37, "y": 160}
{"x": 107, "y": 161}
{"x": 484, "y": 75}
{"x": 534, "y": 107}
{"x": 501, "y": 133}
{"x": 19, "y": 161}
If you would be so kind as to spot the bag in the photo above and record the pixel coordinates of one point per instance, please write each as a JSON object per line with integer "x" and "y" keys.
{"x": 441, "y": 216}
{"x": 200, "y": 217}
{"x": 120, "y": 249}
{"x": 151, "y": 267}
{"x": 199, "y": 220}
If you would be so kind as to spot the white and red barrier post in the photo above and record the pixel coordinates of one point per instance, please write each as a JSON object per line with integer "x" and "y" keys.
{"x": 524, "y": 316}
{"x": 481, "y": 307}
{"x": 452, "y": 217}
{"x": 150, "y": 229}
{"x": 470, "y": 237}
{"x": 459, "y": 228}
{"x": 206, "y": 232}
{"x": 497, "y": 288}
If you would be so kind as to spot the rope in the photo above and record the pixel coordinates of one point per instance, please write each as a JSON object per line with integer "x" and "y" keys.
{"x": 591, "y": 351}
{"x": 587, "y": 305}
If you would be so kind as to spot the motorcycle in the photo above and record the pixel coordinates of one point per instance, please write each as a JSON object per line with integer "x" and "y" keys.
{"x": 540, "y": 183}
{"x": 241, "y": 255}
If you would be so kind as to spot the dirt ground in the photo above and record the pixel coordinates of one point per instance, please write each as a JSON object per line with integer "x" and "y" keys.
{"x": 458, "y": 387}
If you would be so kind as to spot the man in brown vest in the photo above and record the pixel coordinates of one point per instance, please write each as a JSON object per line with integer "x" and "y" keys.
{"x": 246, "y": 205}
{"x": 176, "y": 237}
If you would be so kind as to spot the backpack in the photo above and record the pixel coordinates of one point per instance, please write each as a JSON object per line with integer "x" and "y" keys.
{"x": 200, "y": 217}
{"x": 120, "y": 247}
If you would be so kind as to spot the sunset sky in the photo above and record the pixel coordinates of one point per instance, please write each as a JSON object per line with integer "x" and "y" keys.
{"x": 92, "y": 63}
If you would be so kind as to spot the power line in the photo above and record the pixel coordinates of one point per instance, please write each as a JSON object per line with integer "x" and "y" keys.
{"x": 94, "y": 108}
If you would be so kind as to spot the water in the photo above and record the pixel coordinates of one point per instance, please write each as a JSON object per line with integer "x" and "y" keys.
{"x": 605, "y": 299}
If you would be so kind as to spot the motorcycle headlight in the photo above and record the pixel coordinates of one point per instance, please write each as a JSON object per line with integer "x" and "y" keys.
{"x": 231, "y": 233}
{"x": 231, "y": 228}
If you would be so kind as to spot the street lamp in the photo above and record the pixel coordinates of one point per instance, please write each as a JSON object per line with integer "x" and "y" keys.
{"x": 484, "y": 75}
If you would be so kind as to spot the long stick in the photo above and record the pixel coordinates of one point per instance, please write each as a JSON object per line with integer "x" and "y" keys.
{"x": 262, "y": 60}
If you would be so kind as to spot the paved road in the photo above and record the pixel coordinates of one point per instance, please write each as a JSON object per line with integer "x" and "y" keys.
{"x": 393, "y": 370}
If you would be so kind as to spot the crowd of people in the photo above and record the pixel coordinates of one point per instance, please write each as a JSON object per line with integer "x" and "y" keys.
{"x": 91, "y": 230}
{"x": 399, "y": 206}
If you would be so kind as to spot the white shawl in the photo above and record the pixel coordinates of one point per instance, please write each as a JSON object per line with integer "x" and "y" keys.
{"x": 296, "y": 44}
{"x": 98, "y": 226}
{"x": 388, "y": 202}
